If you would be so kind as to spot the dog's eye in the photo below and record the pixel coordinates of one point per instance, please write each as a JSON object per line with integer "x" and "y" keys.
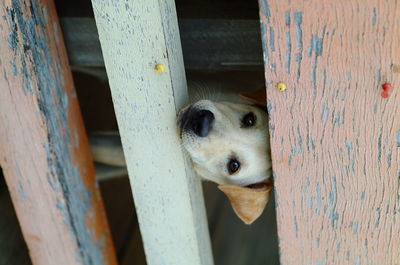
{"x": 249, "y": 120}
{"x": 233, "y": 166}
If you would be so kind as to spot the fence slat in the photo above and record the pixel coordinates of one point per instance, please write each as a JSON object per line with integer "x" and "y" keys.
{"x": 44, "y": 151}
{"x": 335, "y": 154}
{"x": 135, "y": 36}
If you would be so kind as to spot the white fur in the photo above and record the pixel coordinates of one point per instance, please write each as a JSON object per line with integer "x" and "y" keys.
{"x": 211, "y": 154}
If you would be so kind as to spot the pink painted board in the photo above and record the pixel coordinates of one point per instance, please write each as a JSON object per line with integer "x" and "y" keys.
{"x": 44, "y": 151}
{"x": 335, "y": 140}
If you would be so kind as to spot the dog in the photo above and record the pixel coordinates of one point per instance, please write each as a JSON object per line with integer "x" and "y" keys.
{"x": 228, "y": 142}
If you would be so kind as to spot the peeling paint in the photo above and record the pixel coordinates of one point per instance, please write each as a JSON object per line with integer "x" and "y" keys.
{"x": 27, "y": 37}
{"x": 378, "y": 218}
{"x": 398, "y": 138}
{"x": 296, "y": 228}
{"x": 374, "y": 16}
{"x": 21, "y": 191}
{"x": 316, "y": 46}
{"x": 324, "y": 112}
{"x": 288, "y": 51}
{"x": 298, "y": 20}
{"x": 14, "y": 68}
{"x": 380, "y": 147}
{"x": 272, "y": 39}
{"x": 355, "y": 227}
{"x": 333, "y": 216}
{"x": 264, "y": 6}
{"x": 287, "y": 18}
{"x": 319, "y": 199}
{"x": 389, "y": 159}
{"x": 310, "y": 201}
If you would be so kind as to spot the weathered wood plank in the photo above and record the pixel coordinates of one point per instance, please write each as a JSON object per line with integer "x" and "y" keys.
{"x": 44, "y": 150}
{"x": 335, "y": 154}
{"x": 136, "y": 36}
{"x": 207, "y": 43}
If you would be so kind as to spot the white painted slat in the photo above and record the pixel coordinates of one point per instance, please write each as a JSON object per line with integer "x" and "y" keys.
{"x": 135, "y": 36}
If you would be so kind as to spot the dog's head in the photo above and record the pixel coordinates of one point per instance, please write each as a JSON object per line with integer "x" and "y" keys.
{"x": 227, "y": 142}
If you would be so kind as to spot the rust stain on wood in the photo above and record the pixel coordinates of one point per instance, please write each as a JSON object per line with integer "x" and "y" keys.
{"x": 44, "y": 149}
{"x": 334, "y": 138}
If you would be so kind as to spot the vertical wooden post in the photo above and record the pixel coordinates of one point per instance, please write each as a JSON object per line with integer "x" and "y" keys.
{"x": 44, "y": 150}
{"x": 136, "y": 36}
{"x": 335, "y": 139}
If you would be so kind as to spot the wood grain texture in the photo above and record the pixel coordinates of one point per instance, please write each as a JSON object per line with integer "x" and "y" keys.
{"x": 44, "y": 150}
{"x": 135, "y": 36}
{"x": 335, "y": 140}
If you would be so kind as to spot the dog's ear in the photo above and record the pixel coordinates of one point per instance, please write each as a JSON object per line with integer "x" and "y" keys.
{"x": 248, "y": 202}
{"x": 258, "y": 96}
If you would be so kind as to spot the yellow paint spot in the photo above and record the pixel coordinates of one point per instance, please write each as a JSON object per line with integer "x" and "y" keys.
{"x": 160, "y": 68}
{"x": 281, "y": 86}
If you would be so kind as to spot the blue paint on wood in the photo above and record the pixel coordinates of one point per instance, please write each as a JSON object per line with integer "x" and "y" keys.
{"x": 348, "y": 76}
{"x": 21, "y": 191}
{"x": 296, "y": 227}
{"x": 375, "y": 108}
{"x": 316, "y": 47}
{"x": 378, "y": 218}
{"x": 333, "y": 216}
{"x": 64, "y": 176}
{"x": 379, "y": 73}
{"x": 374, "y": 16}
{"x": 310, "y": 201}
{"x": 298, "y": 20}
{"x": 264, "y": 6}
{"x": 355, "y": 227}
{"x": 14, "y": 67}
{"x": 264, "y": 41}
{"x": 324, "y": 112}
{"x": 389, "y": 159}
{"x": 320, "y": 262}
{"x": 398, "y": 138}
{"x": 362, "y": 195}
{"x": 319, "y": 199}
{"x": 349, "y": 145}
{"x": 380, "y": 147}
{"x": 334, "y": 188}
{"x": 313, "y": 144}
{"x": 288, "y": 51}
{"x": 287, "y": 18}
{"x": 299, "y": 141}
{"x": 272, "y": 39}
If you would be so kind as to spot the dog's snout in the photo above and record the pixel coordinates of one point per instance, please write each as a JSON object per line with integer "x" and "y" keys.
{"x": 202, "y": 122}
{"x": 199, "y": 121}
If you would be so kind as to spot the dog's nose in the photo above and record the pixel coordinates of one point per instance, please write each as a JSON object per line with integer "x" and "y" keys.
{"x": 201, "y": 122}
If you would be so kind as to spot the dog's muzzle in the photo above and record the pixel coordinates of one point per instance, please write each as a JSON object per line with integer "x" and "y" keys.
{"x": 198, "y": 121}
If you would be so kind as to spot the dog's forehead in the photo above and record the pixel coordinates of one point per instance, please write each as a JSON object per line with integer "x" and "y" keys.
{"x": 229, "y": 107}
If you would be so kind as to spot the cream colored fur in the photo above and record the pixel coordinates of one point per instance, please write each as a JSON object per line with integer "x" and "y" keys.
{"x": 210, "y": 155}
